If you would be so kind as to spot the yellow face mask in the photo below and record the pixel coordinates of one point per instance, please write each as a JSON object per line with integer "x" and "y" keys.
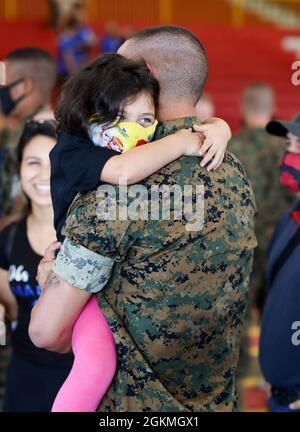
{"x": 122, "y": 136}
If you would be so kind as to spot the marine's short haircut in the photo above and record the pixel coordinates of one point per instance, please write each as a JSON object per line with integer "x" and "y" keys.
{"x": 178, "y": 58}
{"x": 37, "y": 64}
{"x": 258, "y": 98}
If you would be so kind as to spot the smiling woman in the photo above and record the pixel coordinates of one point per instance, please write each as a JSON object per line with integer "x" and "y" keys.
{"x": 35, "y": 170}
{"x": 34, "y": 375}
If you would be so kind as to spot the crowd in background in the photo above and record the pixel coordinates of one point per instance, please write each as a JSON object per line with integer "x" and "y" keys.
{"x": 77, "y": 42}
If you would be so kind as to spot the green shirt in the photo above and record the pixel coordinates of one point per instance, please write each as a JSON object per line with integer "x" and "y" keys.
{"x": 176, "y": 298}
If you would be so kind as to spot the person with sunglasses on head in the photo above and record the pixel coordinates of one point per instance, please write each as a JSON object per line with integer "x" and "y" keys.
{"x": 34, "y": 375}
{"x": 280, "y": 336}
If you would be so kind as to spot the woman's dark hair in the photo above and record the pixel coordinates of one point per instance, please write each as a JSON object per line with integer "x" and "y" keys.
{"x": 98, "y": 91}
{"x": 33, "y": 128}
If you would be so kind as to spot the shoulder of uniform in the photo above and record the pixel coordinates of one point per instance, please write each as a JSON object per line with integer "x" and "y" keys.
{"x": 83, "y": 201}
{"x": 234, "y": 162}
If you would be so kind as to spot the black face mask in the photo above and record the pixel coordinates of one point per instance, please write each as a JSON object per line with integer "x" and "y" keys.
{"x": 7, "y": 104}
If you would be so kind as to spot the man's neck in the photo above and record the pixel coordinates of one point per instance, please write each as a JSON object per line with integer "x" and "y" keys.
{"x": 169, "y": 127}
{"x": 175, "y": 111}
{"x": 33, "y": 109}
{"x": 259, "y": 122}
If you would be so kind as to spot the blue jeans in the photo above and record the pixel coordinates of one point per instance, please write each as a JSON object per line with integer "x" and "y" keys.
{"x": 274, "y": 406}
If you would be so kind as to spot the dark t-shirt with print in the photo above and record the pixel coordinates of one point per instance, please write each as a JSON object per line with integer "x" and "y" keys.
{"x": 17, "y": 256}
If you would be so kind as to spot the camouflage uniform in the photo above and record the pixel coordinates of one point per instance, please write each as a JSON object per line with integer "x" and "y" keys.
{"x": 260, "y": 153}
{"x": 9, "y": 139}
{"x": 176, "y": 299}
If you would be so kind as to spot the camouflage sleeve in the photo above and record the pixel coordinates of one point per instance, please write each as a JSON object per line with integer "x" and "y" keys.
{"x": 86, "y": 226}
{"x": 82, "y": 268}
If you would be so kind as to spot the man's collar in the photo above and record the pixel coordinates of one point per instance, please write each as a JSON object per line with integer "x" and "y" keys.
{"x": 169, "y": 127}
{"x": 39, "y": 109}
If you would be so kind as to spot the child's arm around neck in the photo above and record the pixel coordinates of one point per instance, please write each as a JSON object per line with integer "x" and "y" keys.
{"x": 139, "y": 163}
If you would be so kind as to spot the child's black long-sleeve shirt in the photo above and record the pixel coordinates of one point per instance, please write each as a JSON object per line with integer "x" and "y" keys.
{"x": 76, "y": 166}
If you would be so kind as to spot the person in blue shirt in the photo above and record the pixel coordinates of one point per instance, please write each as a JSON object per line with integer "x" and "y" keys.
{"x": 112, "y": 39}
{"x": 280, "y": 328}
{"x": 74, "y": 43}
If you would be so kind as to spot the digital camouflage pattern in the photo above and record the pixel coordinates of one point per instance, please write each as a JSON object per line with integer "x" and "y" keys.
{"x": 82, "y": 268}
{"x": 176, "y": 299}
{"x": 9, "y": 138}
{"x": 260, "y": 153}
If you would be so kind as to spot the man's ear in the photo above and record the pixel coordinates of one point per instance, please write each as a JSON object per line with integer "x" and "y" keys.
{"x": 28, "y": 85}
{"x": 23, "y": 88}
{"x": 151, "y": 70}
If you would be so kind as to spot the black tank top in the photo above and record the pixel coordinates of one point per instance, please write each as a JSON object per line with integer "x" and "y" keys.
{"x": 17, "y": 256}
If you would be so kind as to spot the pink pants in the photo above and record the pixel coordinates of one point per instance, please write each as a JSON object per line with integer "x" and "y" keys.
{"x": 94, "y": 362}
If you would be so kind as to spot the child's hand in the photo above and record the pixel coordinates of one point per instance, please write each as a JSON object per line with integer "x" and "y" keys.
{"x": 193, "y": 141}
{"x": 214, "y": 145}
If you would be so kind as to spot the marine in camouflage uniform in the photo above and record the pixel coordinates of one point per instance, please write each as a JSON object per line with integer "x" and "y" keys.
{"x": 9, "y": 138}
{"x": 176, "y": 299}
{"x": 260, "y": 154}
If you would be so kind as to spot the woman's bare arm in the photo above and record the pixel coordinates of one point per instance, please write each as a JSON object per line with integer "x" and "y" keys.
{"x": 7, "y": 298}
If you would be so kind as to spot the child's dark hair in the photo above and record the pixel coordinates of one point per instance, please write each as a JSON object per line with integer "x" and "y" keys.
{"x": 98, "y": 91}
{"x": 33, "y": 128}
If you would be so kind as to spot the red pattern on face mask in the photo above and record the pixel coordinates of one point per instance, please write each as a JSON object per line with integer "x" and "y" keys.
{"x": 141, "y": 142}
{"x": 292, "y": 160}
{"x": 290, "y": 171}
{"x": 287, "y": 180}
{"x": 296, "y": 216}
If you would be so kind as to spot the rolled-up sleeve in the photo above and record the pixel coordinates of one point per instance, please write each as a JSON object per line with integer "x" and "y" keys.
{"x": 82, "y": 268}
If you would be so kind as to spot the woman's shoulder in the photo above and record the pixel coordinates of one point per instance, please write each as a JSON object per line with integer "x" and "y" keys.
{"x": 7, "y": 241}
{"x": 12, "y": 227}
